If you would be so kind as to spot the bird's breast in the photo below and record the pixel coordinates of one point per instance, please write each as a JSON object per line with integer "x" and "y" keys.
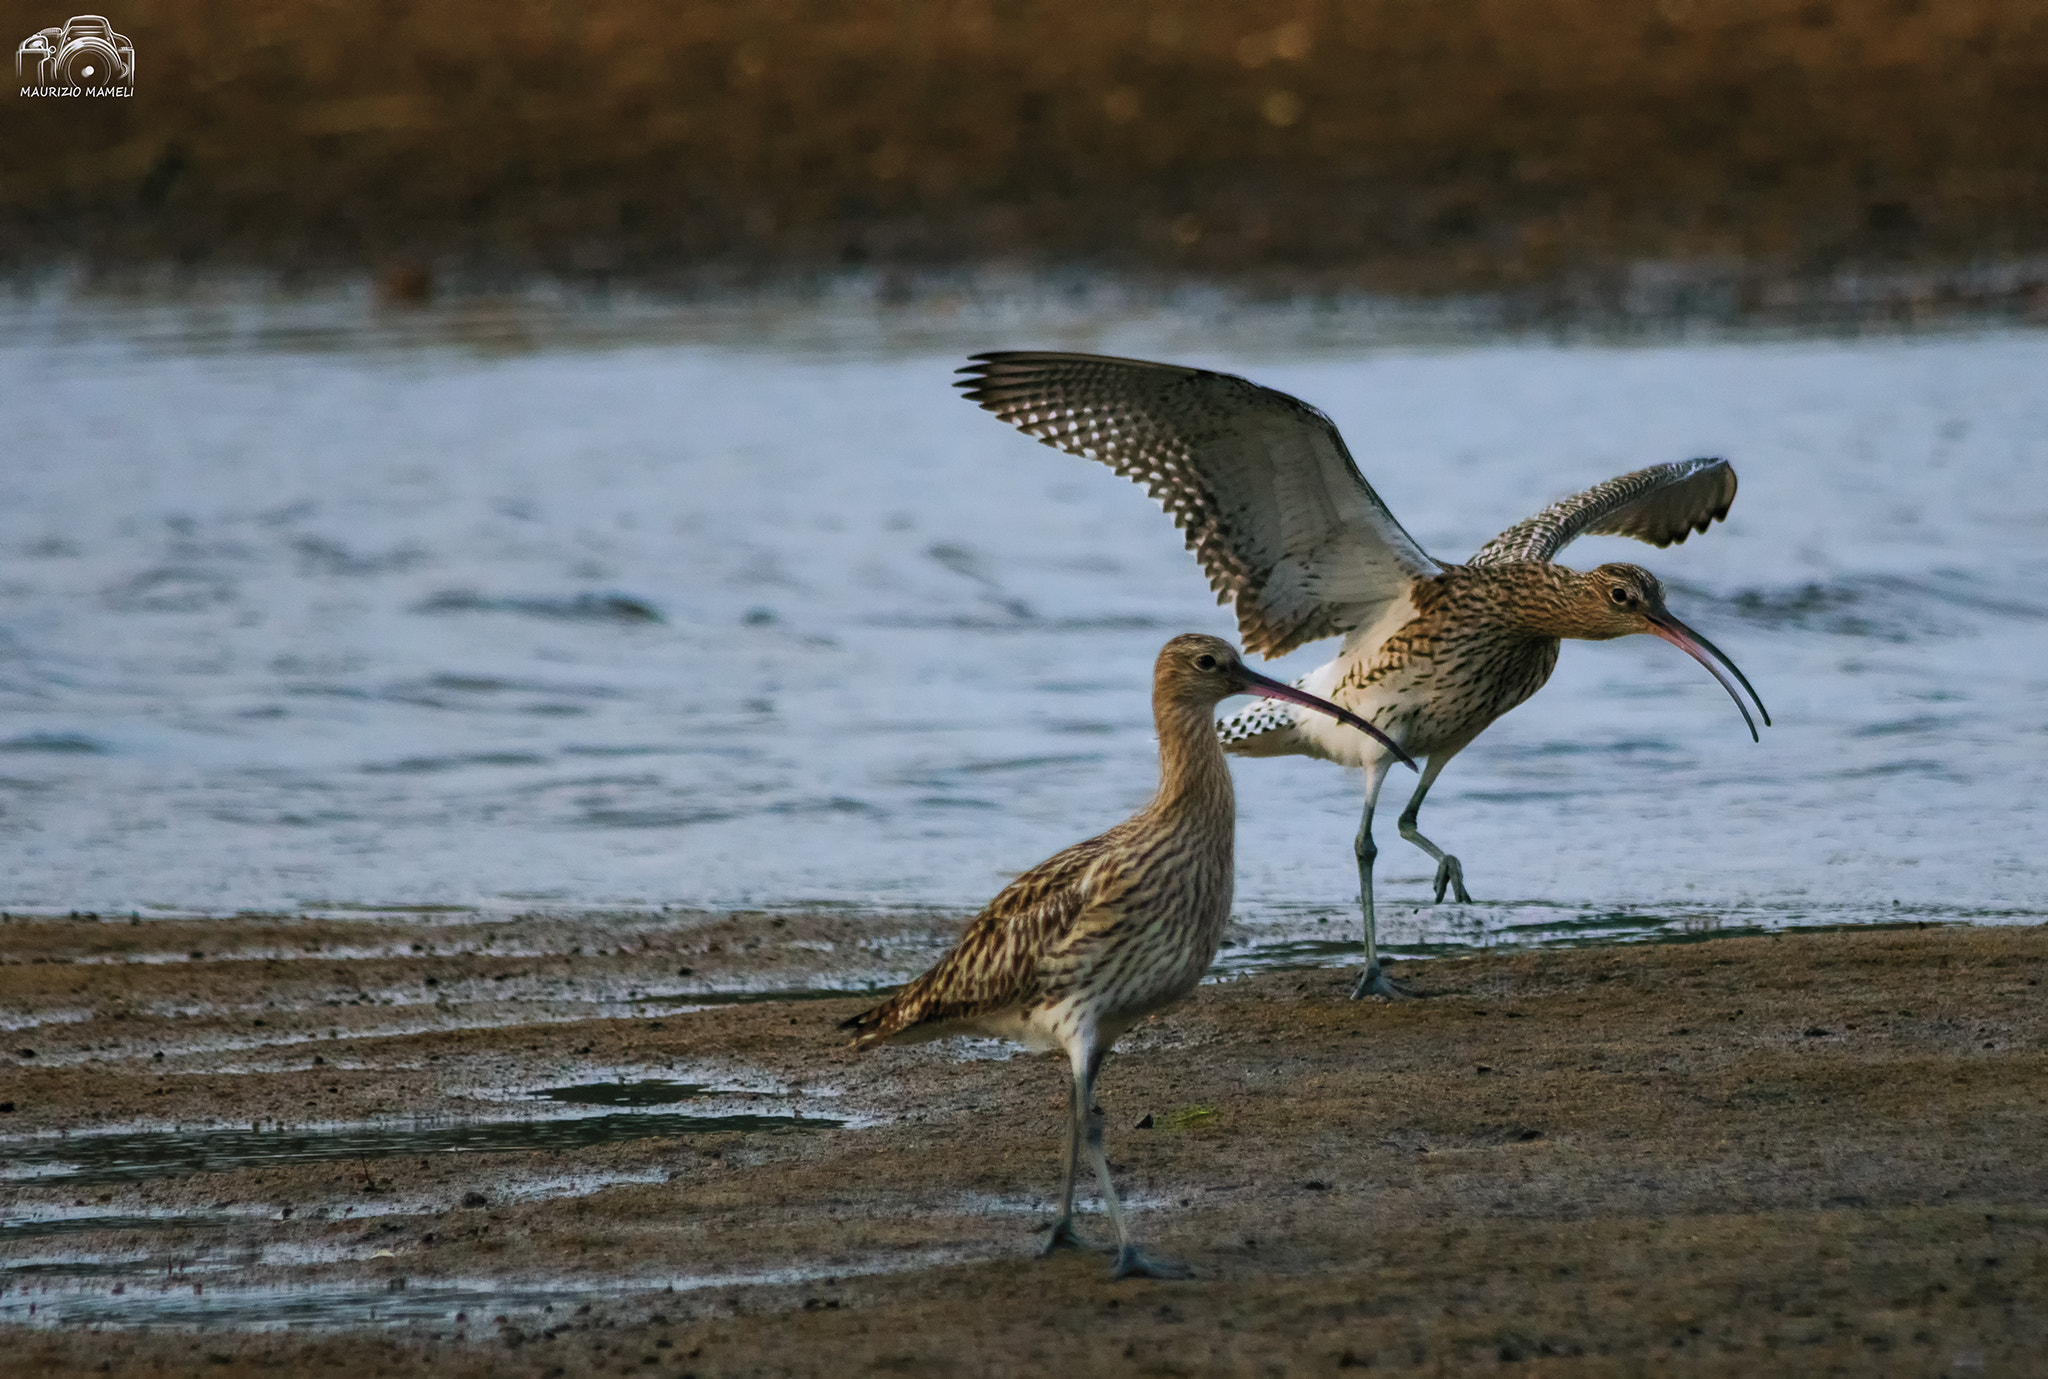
{"x": 1150, "y": 945}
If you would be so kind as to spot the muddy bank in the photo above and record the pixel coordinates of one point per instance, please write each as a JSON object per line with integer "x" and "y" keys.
{"x": 1816, "y": 1152}
{"x": 1538, "y": 144}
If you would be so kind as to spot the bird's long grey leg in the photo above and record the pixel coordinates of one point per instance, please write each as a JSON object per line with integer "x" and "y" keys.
{"x": 1131, "y": 1262}
{"x": 1449, "y": 871}
{"x": 1375, "y": 981}
{"x": 1063, "y": 1235}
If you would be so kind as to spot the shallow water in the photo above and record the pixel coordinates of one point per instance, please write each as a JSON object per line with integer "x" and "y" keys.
{"x": 480, "y": 1308}
{"x": 751, "y": 611}
{"x": 86, "y": 1160}
{"x": 15, "y": 1232}
{"x": 652, "y": 1091}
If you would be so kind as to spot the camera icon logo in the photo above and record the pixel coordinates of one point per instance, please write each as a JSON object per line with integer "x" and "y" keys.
{"x": 85, "y": 55}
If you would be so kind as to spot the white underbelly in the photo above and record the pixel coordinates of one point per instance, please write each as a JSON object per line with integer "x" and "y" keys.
{"x": 1376, "y": 703}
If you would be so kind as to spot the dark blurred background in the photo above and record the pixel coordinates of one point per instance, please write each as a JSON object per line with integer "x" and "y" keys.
{"x": 1414, "y": 146}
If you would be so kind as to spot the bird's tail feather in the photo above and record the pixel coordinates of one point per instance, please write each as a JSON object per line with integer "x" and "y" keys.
{"x": 891, "y": 1017}
{"x": 1263, "y": 728}
{"x": 916, "y": 1013}
{"x": 867, "y": 1026}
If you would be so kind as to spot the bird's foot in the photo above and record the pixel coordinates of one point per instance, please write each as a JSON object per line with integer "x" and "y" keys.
{"x": 1132, "y": 1262}
{"x": 1376, "y": 982}
{"x": 1062, "y": 1236}
{"x": 1450, "y": 873}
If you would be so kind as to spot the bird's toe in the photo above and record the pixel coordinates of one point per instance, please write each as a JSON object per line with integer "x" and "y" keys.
{"x": 1450, "y": 875}
{"x": 1061, "y": 1235}
{"x": 1132, "y": 1262}
{"x": 1376, "y": 982}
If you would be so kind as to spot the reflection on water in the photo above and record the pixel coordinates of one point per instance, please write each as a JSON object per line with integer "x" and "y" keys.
{"x": 653, "y": 1091}
{"x": 750, "y": 610}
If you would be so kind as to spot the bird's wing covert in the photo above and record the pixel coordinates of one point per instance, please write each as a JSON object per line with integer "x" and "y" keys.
{"x": 997, "y": 961}
{"x": 1662, "y": 505}
{"x": 1271, "y": 503}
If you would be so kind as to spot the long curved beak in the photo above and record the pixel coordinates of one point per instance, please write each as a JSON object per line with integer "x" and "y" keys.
{"x": 1255, "y": 683}
{"x": 1699, "y": 648}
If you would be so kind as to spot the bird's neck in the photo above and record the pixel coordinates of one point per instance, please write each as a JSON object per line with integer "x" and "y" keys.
{"x": 1193, "y": 772}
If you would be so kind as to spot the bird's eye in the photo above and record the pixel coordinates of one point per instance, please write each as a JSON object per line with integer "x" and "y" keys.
{"x": 1205, "y": 662}
{"x": 1619, "y": 595}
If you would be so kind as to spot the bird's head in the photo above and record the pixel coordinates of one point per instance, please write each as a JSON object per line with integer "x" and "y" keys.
{"x": 1198, "y": 672}
{"x": 1618, "y": 600}
{"x": 1197, "y": 667}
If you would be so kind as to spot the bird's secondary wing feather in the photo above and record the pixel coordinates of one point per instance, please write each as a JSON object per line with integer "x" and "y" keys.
{"x": 1662, "y": 505}
{"x": 996, "y": 962}
{"x": 1272, "y": 505}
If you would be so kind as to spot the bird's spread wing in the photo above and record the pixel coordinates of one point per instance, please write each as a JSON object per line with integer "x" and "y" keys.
{"x": 996, "y": 963}
{"x": 1271, "y": 502}
{"x": 1662, "y": 505}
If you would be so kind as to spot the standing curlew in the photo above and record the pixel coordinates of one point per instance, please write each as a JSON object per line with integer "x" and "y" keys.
{"x": 1093, "y": 939}
{"x": 1286, "y": 527}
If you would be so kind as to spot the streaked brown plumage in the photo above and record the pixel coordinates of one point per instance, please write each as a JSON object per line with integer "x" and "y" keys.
{"x": 1090, "y": 941}
{"x": 1291, "y": 533}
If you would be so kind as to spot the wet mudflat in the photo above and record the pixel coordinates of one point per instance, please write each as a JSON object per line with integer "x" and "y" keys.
{"x": 1698, "y": 154}
{"x": 1810, "y": 1153}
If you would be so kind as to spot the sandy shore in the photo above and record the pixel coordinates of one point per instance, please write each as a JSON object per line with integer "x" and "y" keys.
{"x": 1807, "y": 1154}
